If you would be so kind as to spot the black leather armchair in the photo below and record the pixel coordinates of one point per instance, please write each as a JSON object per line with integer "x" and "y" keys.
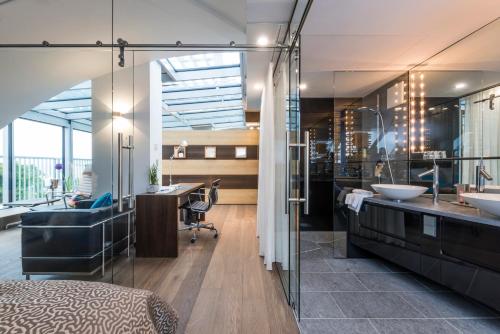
{"x": 72, "y": 241}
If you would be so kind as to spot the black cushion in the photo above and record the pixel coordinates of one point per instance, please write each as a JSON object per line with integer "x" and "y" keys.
{"x": 199, "y": 206}
{"x": 65, "y": 217}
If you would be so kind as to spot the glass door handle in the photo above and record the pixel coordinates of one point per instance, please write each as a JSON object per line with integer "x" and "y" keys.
{"x": 296, "y": 200}
{"x": 306, "y": 172}
{"x": 287, "y": 171}
{"x": 130, "y": 148}
{"x": 306, "y": 146}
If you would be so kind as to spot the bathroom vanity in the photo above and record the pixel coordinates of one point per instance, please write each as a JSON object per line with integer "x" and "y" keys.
{"x": 453, "y": 245}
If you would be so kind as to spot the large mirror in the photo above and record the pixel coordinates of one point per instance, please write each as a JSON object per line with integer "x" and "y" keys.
{"x": 454, "y": 111}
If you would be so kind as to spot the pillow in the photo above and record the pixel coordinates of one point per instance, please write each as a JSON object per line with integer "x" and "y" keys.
{"x": 103, "y": 201}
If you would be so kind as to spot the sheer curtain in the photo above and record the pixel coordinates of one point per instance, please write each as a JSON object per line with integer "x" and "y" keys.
{"x": 280, "y": 115}
{"x": 266, "y": 200}
{"x": 480, "y": 134}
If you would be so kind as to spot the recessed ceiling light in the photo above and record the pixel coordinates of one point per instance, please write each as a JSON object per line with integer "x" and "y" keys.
{"x": 262, "y": 41}
{"x": 302, "y": 86}
{"x": 460, "y": 85}
{"x": 258, "y": 86}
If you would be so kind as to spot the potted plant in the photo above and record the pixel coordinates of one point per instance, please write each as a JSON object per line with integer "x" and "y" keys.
{"x": 153, "y": 178}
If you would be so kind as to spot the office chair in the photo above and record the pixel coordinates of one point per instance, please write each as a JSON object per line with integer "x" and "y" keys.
{"x": 197, "y": 208}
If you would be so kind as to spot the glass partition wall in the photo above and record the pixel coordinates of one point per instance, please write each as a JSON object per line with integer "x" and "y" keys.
{"x": 459, "y": 115}
{"x": 61, "y": 115}
{"x": 59, "y": 141}
{"x": 390, "y": 126}
{"x": 387, "y": 126}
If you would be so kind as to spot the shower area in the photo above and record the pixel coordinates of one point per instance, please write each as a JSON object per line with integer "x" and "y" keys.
{"x": 351, "y": 129}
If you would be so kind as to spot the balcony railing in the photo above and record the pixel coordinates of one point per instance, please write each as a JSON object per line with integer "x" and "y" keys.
{"x": 32, "y": 175}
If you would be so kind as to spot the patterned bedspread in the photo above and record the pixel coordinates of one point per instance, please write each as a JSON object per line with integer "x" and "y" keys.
{"x": 81, "y": 307}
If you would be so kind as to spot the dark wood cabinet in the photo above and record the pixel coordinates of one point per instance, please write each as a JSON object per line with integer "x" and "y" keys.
{"x": 474, "y": 243}
{"x": 158, "y": 218}
{"x": 461, "y": 255}
{"x": 389, "y": 233}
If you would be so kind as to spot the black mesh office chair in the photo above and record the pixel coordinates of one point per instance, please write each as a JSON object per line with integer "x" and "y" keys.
{"x": 196, "y": 208}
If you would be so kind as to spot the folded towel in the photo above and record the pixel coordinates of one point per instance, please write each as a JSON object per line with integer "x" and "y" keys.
{"x": 362, "y": 192}
{"x": 341, "y": 196}
{"x": 355, "y": 199}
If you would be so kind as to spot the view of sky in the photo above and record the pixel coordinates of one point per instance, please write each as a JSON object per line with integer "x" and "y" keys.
{"x": 34, "y": 139}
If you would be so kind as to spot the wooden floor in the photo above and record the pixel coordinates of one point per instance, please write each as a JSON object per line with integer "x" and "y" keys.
{"x": 216, "y": 285}
{"x": 220, "y": 285}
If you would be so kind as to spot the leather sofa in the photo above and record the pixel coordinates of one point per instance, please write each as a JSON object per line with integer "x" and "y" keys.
{"x": 70, "y": 241}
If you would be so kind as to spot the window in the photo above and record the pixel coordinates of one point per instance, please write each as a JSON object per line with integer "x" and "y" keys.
{"x": 203, "y": 91}
{"x": 38, "y": 153}
{"x": 82, "y": 153}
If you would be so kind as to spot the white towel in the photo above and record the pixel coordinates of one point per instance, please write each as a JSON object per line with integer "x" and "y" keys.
{"x": 355, "y": 199}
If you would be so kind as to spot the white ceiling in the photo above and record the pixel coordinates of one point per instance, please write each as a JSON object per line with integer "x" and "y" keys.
{"x": 258, "y": 61}
{"x": 385, "y": 36}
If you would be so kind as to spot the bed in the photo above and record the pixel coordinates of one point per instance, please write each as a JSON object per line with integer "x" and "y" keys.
{"x": 82, "y": 307}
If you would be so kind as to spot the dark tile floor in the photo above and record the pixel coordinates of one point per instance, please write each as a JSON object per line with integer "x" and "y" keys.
{"x": 373, "y": 296}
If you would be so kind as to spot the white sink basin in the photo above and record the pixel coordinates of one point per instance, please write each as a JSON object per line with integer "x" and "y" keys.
{"x": 487, "y": 202}
{"x": 399, "y": 192}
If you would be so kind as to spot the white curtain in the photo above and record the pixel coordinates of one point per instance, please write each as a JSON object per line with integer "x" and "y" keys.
{"x": 480, "y": 135}
{"x": 266, "y": 192}
{"x": 282, "y": 229}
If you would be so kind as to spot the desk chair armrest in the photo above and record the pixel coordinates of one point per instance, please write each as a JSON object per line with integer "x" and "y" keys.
{"x": 200, "y": 195}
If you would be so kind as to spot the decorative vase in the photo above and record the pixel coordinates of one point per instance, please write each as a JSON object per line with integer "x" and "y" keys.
{"x": 153, "y": 188}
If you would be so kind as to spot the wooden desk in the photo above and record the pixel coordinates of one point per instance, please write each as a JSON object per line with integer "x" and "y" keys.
{"x": 157, "y": 221}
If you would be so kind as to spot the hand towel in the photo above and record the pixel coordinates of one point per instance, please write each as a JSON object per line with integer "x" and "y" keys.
{"x": 355, "y": 199}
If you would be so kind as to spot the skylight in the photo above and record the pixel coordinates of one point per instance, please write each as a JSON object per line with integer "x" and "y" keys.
{"x": 73, "y": 104}
{"x": 205, "y": 61}
{"x": 204, "y": 91}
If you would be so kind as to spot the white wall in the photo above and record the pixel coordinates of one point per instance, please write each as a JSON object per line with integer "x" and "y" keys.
{"x": 137, "y": 96}
{"x": 31, "y": 76}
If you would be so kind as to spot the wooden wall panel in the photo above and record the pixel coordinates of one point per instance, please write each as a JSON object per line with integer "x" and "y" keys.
{"x": 239, "y": 177}
{"x": 238, "y": 196}
{"x": 211, "y": 167}
{"x": 224, "y": 152}
{"x": 228, "y": 137}
{"x": 227, "y": 181}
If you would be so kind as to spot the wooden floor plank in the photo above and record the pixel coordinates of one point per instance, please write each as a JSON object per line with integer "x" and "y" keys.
{"x": 234, "y": 293}
{"x": 217, "y": 285}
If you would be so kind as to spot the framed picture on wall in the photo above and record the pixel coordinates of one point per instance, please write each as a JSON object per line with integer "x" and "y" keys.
{"x": 210, "y": 152}
{"x": 240, "y": 152}
{"x": 179, "y": 152}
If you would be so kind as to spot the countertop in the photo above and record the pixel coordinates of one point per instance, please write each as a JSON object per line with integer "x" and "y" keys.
{"x": 184, "y": 189}
{"x": 445, "y": 209}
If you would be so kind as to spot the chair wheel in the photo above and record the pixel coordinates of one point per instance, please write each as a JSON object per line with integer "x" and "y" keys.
{"x": 193, "y": 240}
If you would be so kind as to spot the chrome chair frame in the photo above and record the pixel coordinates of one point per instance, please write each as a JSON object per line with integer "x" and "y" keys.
{"x": 212, "y": 200}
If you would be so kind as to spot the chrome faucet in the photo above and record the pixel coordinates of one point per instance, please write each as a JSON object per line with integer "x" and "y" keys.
{"x": 379, "y": 167}
{"x": 435, "y": 181}
{"x": 481, "y": 175}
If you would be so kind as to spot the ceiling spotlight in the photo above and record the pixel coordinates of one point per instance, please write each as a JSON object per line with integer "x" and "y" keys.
{"x": 460, "y": 85}
{"x": 302, "y": 86}
{"x": 262, "y": 41}
{"x": 232, "y": 43}
{"x": 258, "y": 86}
{"x": 178, "y": 43}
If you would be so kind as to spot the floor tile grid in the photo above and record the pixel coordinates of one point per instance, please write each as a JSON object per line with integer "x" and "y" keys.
{"x": 426, "y": 321}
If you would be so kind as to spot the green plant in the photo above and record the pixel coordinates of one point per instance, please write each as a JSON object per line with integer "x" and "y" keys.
{"x": 69, "y": 183}
{"x": 30, "y": 181}
{"x": 153, "y": 174}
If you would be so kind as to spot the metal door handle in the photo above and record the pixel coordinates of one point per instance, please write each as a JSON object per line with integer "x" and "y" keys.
{"x": 287, "y": 180}
{"x": 306, "y": 147}
{"x": 130, "y": 148}
{"x": 306, "y": 172}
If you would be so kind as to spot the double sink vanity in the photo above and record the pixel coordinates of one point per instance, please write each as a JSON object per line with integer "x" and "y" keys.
{"x": 454, "y": 245}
